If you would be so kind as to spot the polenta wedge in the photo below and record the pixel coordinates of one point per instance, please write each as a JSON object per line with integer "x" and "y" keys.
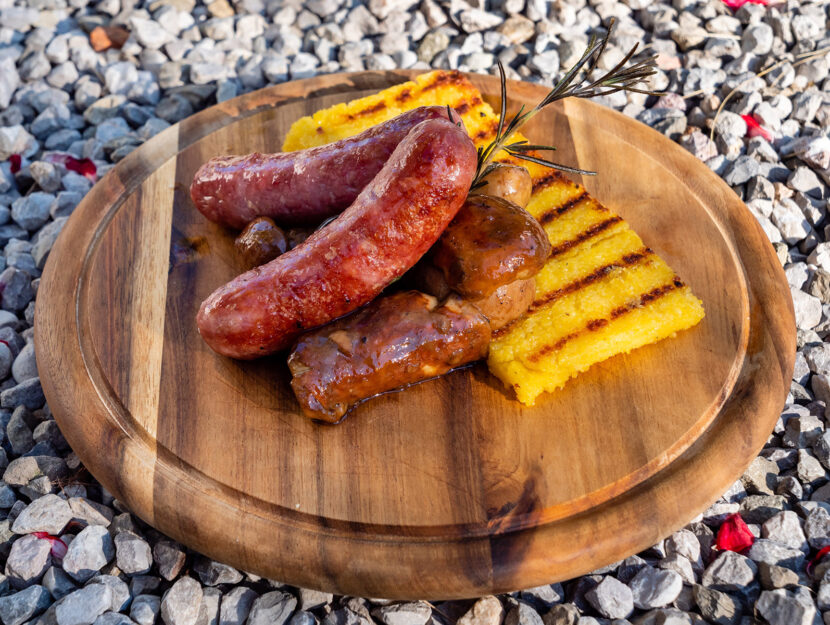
{"x": 602, "y": 291}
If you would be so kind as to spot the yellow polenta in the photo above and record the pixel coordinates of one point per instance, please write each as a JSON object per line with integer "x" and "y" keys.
{"x": 601, "y": 293}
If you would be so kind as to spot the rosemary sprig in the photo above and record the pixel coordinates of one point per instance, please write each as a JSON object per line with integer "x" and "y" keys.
{"x": 577, "y": 82}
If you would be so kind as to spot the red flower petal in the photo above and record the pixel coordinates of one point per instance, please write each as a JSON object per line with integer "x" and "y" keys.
{"x": 734, "y": 535}
{"x": 737, "y": 4}
{"x": 821, "y": 553}
{"x": 58, "y": 546}
{"x": 84, "y": 166}
{"x": 754, "y": 129}
{"x": 15, "y": 160}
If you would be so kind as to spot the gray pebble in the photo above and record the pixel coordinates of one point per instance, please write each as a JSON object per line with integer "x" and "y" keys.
{"x": 88, "y": 553}
{"x": 145, "y": 609}
{"x": 730, "y": 571}
{"x": 611, "y": 598}
{"x": 48, "y": 514}
{"x": 213, "y": 573}
{"x": 132, "y": 553}
{"x": 83, "y": 606}
{"x": 22, "y": 470}
{"x": 412, "y": 613}
{"x": 771, "y": 552}
{"x": 180, "y": 604}
{"x": 57, "y": 582}
{"x": 28, "y": 560}
{"x": 28, "y": 393}
{"x": 783, "y": 607}
{"x": 25, "y": 364}
{"x": 17, "y": 608}
{"x": 236, "y": 605}
{"x": 272, "y": 608}
{"x": 118, "y": 589}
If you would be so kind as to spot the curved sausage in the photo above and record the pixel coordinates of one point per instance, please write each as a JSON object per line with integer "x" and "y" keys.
{"x": 303, "y": 187}
{"x": 347, "y": 263}
{"x": 395, "y": 341}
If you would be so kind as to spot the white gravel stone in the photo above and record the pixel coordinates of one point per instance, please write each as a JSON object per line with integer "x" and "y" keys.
{"x": 236, "y": 605}
{"x": 132, "y": 553}
{"x": 48, "y": 514}
{"x": 17, "y": 608}
{"x": 414, "y": 613}
{"x": 486, "y": 611}
{"x": 88, "y": 553}
{"x": 83, "y": 606}
{"x": 27, "y": 561}
{"x": 655, "y": 588}
{"x": 272, "y": 608}
{"x": 783, "y": 607}
{"x": 729, "y": 572}
{"x": 145, "y": 608}
{"x": 180, "y": 604}
{"x": 611, "y": 598}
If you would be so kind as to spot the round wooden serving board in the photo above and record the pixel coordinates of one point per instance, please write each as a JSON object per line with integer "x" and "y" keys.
{"x": 448, "y": 489}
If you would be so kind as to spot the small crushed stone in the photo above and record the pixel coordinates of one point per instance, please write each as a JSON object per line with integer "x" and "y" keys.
{"x": 64, "y": 92}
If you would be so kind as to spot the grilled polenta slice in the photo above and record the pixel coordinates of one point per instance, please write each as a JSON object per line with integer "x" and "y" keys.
{"x": 602, "y": 291}
{"x": 434, "y": 88}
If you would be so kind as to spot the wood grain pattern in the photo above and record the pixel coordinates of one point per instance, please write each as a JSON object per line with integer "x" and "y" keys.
{"x": 451, "y": 488}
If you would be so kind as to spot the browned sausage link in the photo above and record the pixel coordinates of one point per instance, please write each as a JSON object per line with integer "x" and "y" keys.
{"x": 346, "y": 264}
{"x": 490, "y": 243}
{"x": 260, "y": 242}
{"x": 394, "y": 341}
{"x": 303, "y": 187}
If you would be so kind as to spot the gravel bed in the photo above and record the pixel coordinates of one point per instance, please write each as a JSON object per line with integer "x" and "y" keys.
{"x": 62, "y": 92}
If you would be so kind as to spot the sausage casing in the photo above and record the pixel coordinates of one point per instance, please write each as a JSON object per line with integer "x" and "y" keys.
{"x": 395, "y": 341}
{"x": 347, "y": 263}
{"x": 303, "y": 187}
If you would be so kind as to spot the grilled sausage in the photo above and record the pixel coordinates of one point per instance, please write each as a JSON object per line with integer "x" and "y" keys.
{"x": 490, "y": 243}
{"x": 303, "y": 187}
{"x": 261, "y": 241}
{"x": 395, "y": 341}
{"x": 511, "y": 182}
{"x": 347, "y": 263}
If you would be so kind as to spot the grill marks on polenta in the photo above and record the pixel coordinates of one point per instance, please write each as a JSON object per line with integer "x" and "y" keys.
{"x": 585, "y": 235}
{"x": 627, "y": 260}
{"x": 596, "y": 324}
{"x": 602, "y": 291}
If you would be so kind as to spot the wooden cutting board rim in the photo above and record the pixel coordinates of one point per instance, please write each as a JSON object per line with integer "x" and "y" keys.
{"x": 295, "y": 520}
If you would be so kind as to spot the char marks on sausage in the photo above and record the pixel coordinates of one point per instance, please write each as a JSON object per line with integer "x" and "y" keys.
{"x": 303, "y": 187}
{"x": 395, "y": 341}
{"x": 346, "y": 264}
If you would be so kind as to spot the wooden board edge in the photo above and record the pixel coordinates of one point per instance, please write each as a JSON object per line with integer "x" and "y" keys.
{"x": 520, "y": 558}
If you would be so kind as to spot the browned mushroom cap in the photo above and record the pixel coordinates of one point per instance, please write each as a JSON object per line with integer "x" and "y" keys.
{"x": 490, "y": 243}
{"x": 260, "y": 242}
{"x": 511, "y": 182}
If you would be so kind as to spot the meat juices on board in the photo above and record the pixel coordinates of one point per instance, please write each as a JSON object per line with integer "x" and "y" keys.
{"x": 392, "y": 223}
{"x": 303, "y": 187}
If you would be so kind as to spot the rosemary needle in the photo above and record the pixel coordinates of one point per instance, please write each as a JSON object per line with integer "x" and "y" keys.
{"x": 577, "y": 82}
